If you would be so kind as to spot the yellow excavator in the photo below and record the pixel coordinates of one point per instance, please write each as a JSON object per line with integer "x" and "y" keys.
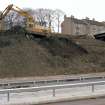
{"x": 31, "y": 24}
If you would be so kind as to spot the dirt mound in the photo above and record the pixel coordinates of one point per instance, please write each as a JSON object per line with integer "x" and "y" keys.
{"x": 51, "y": 55}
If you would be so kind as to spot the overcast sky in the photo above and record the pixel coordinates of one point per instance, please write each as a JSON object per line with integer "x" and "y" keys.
{"x": 78, "y": 8}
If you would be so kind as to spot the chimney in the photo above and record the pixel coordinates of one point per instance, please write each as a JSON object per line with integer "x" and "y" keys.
{"x": 93, "y": 19}
{"x": 87, "y": 18}
{"x": 72, "y": 17}
{"x": 65, "y": 17}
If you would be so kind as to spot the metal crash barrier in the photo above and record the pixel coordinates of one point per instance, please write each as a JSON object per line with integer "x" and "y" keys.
{"x": 52, "y": 87}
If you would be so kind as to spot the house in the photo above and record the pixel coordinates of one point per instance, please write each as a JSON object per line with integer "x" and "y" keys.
{"x": 74, "y": 26}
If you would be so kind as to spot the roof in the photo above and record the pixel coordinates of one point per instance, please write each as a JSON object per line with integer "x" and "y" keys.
{"x": 93, "y": 22}
{"x": 78, "y": 21}
{"x": 86, "y": 21}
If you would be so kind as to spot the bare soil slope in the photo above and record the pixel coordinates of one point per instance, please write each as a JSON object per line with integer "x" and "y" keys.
{"x": 54, "y": 55}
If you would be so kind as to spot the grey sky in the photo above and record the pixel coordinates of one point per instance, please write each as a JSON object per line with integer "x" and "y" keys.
{"x": 78, "y": 8}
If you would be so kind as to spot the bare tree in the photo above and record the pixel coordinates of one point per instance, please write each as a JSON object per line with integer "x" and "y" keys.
{"x": 44, "y": 17}
{"x": 14, "y": 19}
{"x": 58, "y": 18}
{"x": 0, "y": 22}
{"x": 49, "y": 17}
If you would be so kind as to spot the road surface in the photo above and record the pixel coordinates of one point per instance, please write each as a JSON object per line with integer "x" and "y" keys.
{"x": 98, "y": 101}
{"x": 47, "y": 96}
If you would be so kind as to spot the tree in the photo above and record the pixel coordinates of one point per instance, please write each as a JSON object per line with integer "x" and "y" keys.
{"x": 58, "y": 17}
{"x": 13, "y": 19}
{"x": 43, "y": 17}
{"x": 0, "y": 22}
{"x": 50, "y": 18}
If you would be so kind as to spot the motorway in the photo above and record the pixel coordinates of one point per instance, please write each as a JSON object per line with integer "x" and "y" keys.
{"x": 46, "y": 95}
{"x": 97, "y": 101}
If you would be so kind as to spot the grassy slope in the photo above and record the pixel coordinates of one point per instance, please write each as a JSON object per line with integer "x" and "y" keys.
{"x": 49, "y": 56}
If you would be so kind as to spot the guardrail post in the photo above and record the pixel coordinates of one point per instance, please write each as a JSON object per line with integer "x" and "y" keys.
{"x": 34, "y": 83}
{"x": 8, "y": 96}
{"x": 54, "y": 92}
{"x": 103, "y": 77}
{"x": 8, "y": 85}
{"x": 80, "y": 78}
{"x": 92, "y": 87}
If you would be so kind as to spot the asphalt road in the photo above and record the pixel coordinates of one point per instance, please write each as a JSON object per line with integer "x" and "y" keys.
{"x": 98, "y": 101}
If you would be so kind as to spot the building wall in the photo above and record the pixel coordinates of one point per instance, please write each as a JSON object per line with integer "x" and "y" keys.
{"x": 79, "y": 29}
{"x": 67, "y": 26}
{"x": 73, "y": 26}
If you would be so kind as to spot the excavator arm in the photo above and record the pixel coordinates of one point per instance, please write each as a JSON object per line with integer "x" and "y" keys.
{"x": 3, "y": 14}
{"x": 31, "y": 26}
{"x": 11, "y": 7}
{"x": 30, "y": 21}
{"x": 6, "y": 11}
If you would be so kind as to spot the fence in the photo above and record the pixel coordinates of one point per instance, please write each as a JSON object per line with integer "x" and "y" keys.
{"x": 52, "y": 87}
{"x": 32, "y": 83}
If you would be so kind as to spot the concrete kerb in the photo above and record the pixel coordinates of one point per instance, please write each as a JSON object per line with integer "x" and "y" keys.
{"x": 62, "y": 99}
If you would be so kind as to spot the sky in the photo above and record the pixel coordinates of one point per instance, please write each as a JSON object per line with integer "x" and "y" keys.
{"x": 78, "y": 8}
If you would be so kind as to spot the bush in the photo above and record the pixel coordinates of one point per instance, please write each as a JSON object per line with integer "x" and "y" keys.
{"x": 16, "y": 30}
